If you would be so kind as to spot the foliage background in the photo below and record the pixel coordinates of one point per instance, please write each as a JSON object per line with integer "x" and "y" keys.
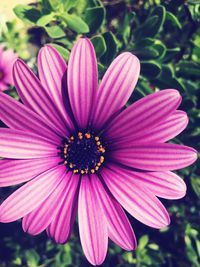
{"x": 165, "y": 35}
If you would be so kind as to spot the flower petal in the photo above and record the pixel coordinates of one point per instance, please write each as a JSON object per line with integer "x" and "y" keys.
{"x": 82, "y": 80}
{"x": 31, "y": 195}
{"x": 24, "y": 145}
{"x": 155, "y": 156}
{"x": 166, "y": 130}
{"x": 60, "y": 228}
{"x": 52, "y": 71}
{"x": 8, "y": 57}
{"x": 36, "y": 98}
{"x": 14, "y": 172}
{"x": 92, "y": 223}
{"x": 144, "y": 114}
{"x": 38, "y": 220}
{"x": 139, "y": 202}
{"x": 3, "y": 86}
{"x": 8, "y": 77}
{"x": 119, "y": 228}
{"x": 163, "y": 184}
{"x": 116, "y": 87}
{"x": 18, "y": 116}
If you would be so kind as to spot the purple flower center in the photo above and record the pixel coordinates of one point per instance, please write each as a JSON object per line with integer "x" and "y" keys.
{"x": 1, "y": 75}
{"x": 83, "y": 153}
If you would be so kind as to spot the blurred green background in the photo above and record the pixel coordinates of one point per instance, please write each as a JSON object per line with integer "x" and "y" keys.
{"x": 165, "y": 35}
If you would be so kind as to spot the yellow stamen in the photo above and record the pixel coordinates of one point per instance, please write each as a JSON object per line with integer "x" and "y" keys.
{"x": 80, "y": 135}
{"x": 92, "y": 171}
{"x": 102, "y": 149}
{"x": 101, "y": 159}
{"x": 96, "y": 138}
{"x": 88, "y": 135}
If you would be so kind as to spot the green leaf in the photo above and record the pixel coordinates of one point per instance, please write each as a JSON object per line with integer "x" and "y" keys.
{"x": 147, "y": 28}
{"x": 63, "y": 51}
{"x": 68, "y": 4}
{"x": 96, "y": 3}
{"x": 191, "y": 253}
{"x": 153, "y": 24}
{"x": 167, "y": 73}
{"x": 128, "y": 257}
{"x": 195, "y": 182}
{"x": 151, "y": 69}
{"x": 188, "y": 68}
{"x": 146, "y": 53}
{"x": 168, "y": 79}
{"x": 194, "y": 7}
{"x": 160, "y": 48}
{"x": 196, "y": 53}
{"x": 170, "y": 83}
{"x": 143, "y": 241}
{"x": 198, "y": 247}
{"x": 47, "y": 8}
{"x": 124, "y": 28}
{"x": 145, "y": 42}
{"x": 144, "y": 49}
{"x": 27, "y": 13}
{"x": 18, "y": 261}
{"x": 76, "y": 23}
{"x": 153, "y": 246}
{"x": 149, "y": 48}
{"x": 173, "y": 19}
{"x": 111, "y": 50}
{"x": 171, "y": 53}
{"x": 55, "y": 31}
{"x": 99, "y": 45}
{"x": 159, "y": 11}
{"x": 101, "y": 70}
{"x": 143, "y": 88}
{"x": 32, "y": 258}
{"x": 55, "y": 4}
{"x": 46, "y": 19}
{"x": 95, "y": 17}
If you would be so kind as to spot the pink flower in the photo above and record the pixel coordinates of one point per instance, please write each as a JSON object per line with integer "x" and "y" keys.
{"x": 7, "y": 58}
{"x": 79, "y": 149}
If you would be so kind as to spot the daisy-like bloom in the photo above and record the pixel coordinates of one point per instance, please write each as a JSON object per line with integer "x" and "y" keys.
{"x": 81, "y": 152}
{"x": 7, "y": 59}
